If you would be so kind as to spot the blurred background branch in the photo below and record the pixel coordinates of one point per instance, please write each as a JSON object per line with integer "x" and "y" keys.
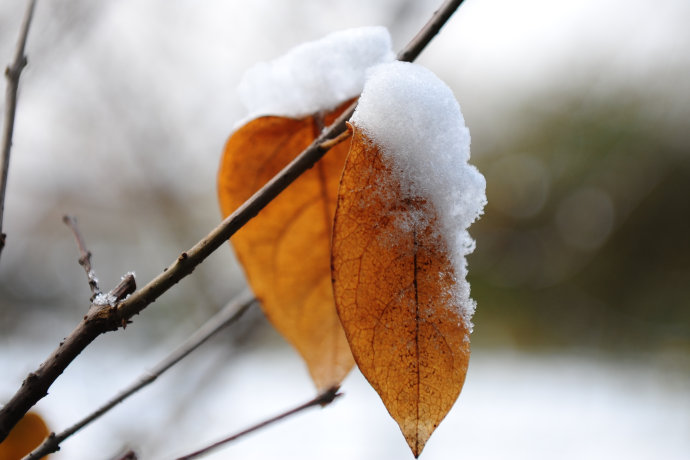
{"x": 12, "y": 73}
{"x": 322, "y": 399}
{"x": 84, "y": 255}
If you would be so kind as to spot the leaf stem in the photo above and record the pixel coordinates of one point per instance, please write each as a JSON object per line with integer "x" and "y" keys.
{"x": 329, "y": 144}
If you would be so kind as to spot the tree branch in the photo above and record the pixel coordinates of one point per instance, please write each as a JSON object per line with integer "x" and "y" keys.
{"x": 12, "y": 73}
{"x": 101, "y": 319}
{"x": 84, "y": 255}
{"x": 228, "y": 315}
{"x": 429, "y": 31}
{"x": 322, "y": 400}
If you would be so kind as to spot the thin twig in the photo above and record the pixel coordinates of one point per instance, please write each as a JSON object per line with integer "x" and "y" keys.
{"x": 84, "y": 255}
{"x": 429, "y": 31}
{"x": 100, "y": 319}
{"x": 12, "y": 73}
{"x": 228, "y": 315}
{"x": 125, "y": 287}
{"x": 322, "y": 400}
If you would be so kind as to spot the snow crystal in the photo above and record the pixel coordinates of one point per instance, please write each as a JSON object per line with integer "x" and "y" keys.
{"x": 109, "y": 299}
{"x": 105, "y": 300}
{"x": 415, "y": 120}
{"x": 315, "y": 76}
{"x": 93, "y": 279}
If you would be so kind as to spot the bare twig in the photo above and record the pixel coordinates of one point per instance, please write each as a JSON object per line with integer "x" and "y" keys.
{"x": 125, "y": 287}
{"x": 429, "y": 31}
{"x": 13, "y": 72}
{"x": 84, "y": 255}
{"x": 322, "y": 400}
{"x": 228, "y": 315}
{"x": 100, "y": 319}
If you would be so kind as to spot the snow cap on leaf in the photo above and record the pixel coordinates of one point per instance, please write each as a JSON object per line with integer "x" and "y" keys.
{"x": 416, "y": 121}
{"x": 315, "y": 76}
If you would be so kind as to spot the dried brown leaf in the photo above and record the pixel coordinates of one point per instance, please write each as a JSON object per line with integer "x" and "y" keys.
{"x": 285, "y": 249}
{"x": 393, "y": 282}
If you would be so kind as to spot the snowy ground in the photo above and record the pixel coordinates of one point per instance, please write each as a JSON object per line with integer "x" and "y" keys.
{"x": 514, "y": 405}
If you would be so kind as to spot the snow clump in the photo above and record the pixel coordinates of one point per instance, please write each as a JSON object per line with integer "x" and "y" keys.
{"x": 417, "y": 124}
{"x": 315, "y": 76}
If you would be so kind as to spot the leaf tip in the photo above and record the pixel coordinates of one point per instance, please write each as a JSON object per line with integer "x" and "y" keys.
{"x": 416, "y": 442}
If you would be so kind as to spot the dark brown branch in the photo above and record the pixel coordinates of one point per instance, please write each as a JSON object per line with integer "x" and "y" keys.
{"x": 12, "y": 73}
{"x": 322, "y": 400}
{"x": 84, "y": 255}
{"x": 101, "y": 319}
{"x": 228, "y": 315}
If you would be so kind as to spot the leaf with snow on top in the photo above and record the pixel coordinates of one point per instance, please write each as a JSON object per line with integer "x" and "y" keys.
{"x": 406, "y": 198}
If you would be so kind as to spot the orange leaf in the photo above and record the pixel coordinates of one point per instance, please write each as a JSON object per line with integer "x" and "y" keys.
{"x": 26, "y": 435}
{"x": 393, "y": 281}
{"x": 285, "y": 249}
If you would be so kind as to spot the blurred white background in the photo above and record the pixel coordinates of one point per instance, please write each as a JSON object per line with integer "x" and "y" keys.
{"x": 575, "y": 109}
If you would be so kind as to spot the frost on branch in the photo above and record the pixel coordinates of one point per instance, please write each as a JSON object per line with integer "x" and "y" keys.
{"x": 315, "y": 76}
{"x": 120, "y": 292}
{"x": 416, "y": 121}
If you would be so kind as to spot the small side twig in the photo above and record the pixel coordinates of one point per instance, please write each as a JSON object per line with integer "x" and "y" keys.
{"x": 228, "y": 315}
{"x": 322, "y": 400}
{"x": 84, "y": 255}
{"x": 12, "y": 73}
{"x": 101, "y": 320}
{"x": 125, "y": 287}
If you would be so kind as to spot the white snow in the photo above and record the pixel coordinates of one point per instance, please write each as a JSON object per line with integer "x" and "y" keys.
{"x": 109, "y": 299}
{"x": 316, "y": 75}
{"x": 415, "y": 120}
{"x": 105, "y": 300}
{"x": 93, "y": 279}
